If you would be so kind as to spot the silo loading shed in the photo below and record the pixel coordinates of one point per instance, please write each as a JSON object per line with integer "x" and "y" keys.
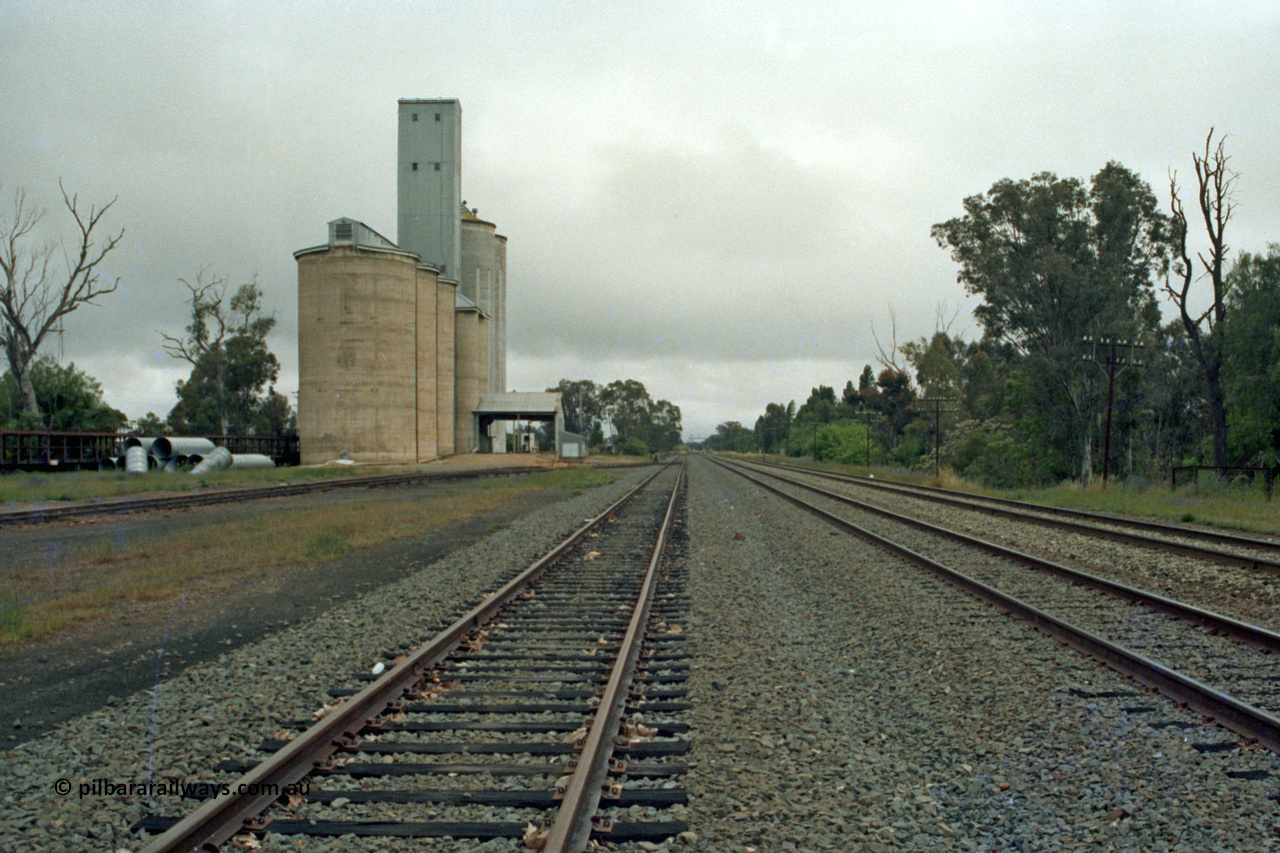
{"x": 541, "y": 407}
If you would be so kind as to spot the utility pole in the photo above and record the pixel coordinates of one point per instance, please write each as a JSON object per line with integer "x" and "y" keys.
{"x": 937, "y": 429}
{"x": 1117, "y": 353}
{"x": 867, "y": 411}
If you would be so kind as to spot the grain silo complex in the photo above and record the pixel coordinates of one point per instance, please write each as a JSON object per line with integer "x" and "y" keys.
{"x": 402, "y": 345}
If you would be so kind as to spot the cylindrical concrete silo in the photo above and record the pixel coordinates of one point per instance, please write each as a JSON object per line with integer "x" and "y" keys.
{"x": 446, "y": 299}
{"x": 484, "y": 280}
{"x": 357, "y": 371}
{"x": 428, "y": 429}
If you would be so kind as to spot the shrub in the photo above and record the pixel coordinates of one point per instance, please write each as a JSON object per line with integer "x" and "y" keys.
{"x": 632, "y": 447}
{"x": 993, "y": 453}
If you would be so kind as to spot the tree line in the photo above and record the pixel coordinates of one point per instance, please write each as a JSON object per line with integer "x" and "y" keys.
{"x": 636, "y": 424}
{"x": 1075, "y": 371}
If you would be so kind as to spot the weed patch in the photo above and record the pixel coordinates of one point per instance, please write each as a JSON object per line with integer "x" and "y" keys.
{"x": 12, "y": 615}
{"x": 327, "y": 546}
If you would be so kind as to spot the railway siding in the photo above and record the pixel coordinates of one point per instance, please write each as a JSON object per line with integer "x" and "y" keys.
{"x": 225, "y": 708}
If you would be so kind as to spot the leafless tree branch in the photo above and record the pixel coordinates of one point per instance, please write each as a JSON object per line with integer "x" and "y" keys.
{"x": 34, "y": 298}
{"x": 1214, "y": 195}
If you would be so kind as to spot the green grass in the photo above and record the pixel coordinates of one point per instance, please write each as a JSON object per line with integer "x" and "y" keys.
{"x": 326, "y": 546}
{"x": 1236, "y": 509}
{"x": 21, "y": 487}
{"x": 12, "y": 614}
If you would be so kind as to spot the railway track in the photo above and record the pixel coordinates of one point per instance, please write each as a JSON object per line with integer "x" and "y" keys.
{"x": 1219, "y": 546}
{"x": 120, "y": 506}
{"x": 1220, "y": 666}
{"x": 549, "y": 712}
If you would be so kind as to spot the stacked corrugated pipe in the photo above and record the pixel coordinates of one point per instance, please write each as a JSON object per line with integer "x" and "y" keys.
{"x": 175, "y": 453}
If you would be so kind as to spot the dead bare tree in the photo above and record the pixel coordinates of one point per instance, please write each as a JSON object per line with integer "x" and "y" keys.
{"x": 1214, "y": 195}
{"x": 36, "y": 295}
{"x": 208, "y": 326}
{"x": 888, "y": 358}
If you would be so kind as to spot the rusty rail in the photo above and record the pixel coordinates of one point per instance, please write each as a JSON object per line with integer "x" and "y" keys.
{"x": 120, "y": 506}
{"x": 1022, "y": 511}
{"x": 217, "y": 820}
{"x": 571, "y": 830}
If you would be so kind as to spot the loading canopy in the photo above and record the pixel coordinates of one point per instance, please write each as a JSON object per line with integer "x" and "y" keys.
{"x": 542, "y": 406}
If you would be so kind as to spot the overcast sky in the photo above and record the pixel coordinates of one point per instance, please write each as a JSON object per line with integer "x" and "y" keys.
{"x": 719, "y": 199}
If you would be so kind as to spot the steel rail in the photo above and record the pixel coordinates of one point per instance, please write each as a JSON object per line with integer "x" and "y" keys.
{"x": 218, "y": 819}
{"x": 1258, "y": 636}
{"x": 1246, "y": 720}
{"x": 119, "y": 506}
{"x": 1023, "y": 511}
{"x": 571, "y": 830}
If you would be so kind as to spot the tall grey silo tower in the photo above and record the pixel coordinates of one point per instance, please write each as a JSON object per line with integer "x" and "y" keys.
{"x": 429, "y": 182}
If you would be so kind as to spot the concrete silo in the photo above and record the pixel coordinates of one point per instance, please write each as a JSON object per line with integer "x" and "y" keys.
{"x": 445, "y": 363}
{"x": 368, "y": 349}
{"x": 484, "y": 282}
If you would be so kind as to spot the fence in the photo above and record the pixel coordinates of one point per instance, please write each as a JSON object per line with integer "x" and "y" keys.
{"x": 45, "y": 450}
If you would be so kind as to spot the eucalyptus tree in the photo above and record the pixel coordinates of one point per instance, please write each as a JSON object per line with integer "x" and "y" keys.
{"x": 231, "y": 365}
{"x": 1251, "y": 357}
{"x": 1055, "y": 260}
{"x": 580, "y": 400}
{"x": 69, "y": 399}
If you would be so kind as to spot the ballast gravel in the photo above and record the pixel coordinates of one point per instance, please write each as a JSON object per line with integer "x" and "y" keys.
{"x": 844, "y": 701}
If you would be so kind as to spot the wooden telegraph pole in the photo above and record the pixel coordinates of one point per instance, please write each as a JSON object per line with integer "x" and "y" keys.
{"x": 937, "y": 403}
{"x": 1117, "y": 353}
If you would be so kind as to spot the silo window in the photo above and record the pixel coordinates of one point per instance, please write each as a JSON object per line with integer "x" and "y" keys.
{"x": 437, "y": 165}
{"x": 415, "y": 116}
{"x": 342, "y": 231}
{"x": 415, "y": 167}
{"x": 437, "y": 116}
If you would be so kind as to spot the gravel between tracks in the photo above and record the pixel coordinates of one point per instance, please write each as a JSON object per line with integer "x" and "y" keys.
{"x": 1246, "y": 594}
